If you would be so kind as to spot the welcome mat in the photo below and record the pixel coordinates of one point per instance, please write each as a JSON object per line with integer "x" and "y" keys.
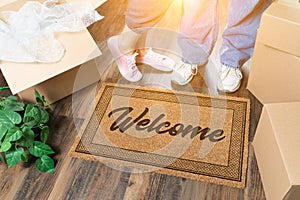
{"x": 184, "y": 134}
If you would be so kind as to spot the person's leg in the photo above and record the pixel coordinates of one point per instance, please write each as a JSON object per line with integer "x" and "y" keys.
{"x": 199, "y": 30}
{"x": 240, "y": 33}
{"x": 238, "y": 40}
{"x": 141, "y": 15}
{"x": 197, "y": 37}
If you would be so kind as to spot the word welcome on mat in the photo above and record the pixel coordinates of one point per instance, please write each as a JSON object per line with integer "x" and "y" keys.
{"x": 183, "y": 134}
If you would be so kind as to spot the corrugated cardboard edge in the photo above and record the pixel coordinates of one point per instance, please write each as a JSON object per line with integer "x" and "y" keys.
{"x": 197, "y": 177}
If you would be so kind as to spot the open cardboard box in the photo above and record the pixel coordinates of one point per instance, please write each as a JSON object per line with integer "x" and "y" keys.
{"x": 55, "y": 80}
{"x": 275, "y": 69}
{"x": 277, "y": 149}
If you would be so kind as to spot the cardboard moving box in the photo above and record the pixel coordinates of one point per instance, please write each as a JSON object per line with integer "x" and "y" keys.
{"x": 54, "y": 80}
{"x": 280, "y": 28}
{"x": 275, "y": 69}
{"x": 274, "y": 75}
{"x": 277, "y": 149}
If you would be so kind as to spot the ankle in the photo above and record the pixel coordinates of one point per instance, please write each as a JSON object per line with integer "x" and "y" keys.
{"x": 142, "y": 52}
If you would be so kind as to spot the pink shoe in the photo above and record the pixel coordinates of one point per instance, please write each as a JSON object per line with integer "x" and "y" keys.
{"x": 156, "y": 60}
{"x": 126, "y": 64}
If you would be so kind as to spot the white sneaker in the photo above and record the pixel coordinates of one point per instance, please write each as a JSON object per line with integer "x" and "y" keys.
{"x": 229, "y": 79}
{"x": 126, "y": 64}
{"x": 156, "y": 60}
{"x": 183, "y": 73}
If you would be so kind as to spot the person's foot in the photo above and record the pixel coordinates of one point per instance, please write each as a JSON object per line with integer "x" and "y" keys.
{"x": 156, "y": 60}
{"x": 126, "y": 63}
{"x": 183, "y": 73}
{"x": 229, "y": 79}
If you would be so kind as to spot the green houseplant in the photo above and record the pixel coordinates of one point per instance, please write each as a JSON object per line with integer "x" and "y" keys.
{"x": 24, "y": 133}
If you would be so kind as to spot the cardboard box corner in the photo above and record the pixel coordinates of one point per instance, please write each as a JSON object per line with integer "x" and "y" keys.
{"x": 275, "y": 151}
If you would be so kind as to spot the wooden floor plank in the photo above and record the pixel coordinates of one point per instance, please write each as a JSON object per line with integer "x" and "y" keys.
{"x": 109, "y": 183}
{"x": 254, "y": 189}
{"x": 137, "y": 185}
{"x": 11, "y": 180}
{"x": 76, "y": 180}
{"x": 156, "y": 187}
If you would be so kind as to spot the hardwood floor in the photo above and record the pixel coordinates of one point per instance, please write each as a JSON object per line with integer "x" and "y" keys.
{"x": 81, "y": 179}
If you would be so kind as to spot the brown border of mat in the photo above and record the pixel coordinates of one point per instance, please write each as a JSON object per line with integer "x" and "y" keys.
{"x": 231, "y": 175}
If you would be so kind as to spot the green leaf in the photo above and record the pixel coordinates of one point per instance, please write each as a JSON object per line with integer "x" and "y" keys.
{"x": 39, "y": 149}
{"x": 44, "y": 115}
{"x": 45, "y": 164}
{"x": 30, "y": 122}
{"x": 45, "y": 132}
{"x": 24, "y": 157}
{"x": 12, "y": 103}
{"x": 13, "y": 157}
{"x": 4, "y": 88}
{"x": 32, "y": 111}
{"x": 2, "y": 159}
{"x": 37, "y": 95}
{"x": 9, "y": 118}
{"x": 40, "y": 103}
{"x": 14, "y": 106}
{"x": 12, "y": 98}
{"x": 41, "y": 100}
{"x": 2, "y": 131}
{"x": 28, "y": 137}
{"x": 13, "y": 134}
{"x": 48, "y": 105}
{"x": 5, "y": 146}
{"x": 27, "y": 119}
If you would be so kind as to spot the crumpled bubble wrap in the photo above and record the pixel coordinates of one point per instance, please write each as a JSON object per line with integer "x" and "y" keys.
{"x": 28, "y": 34}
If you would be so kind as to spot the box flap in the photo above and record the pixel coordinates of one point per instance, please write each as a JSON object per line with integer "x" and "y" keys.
{"x": 280, "y": 28}
{"x": 285, "y": 118}
{"x": 282, "y": 69}
{"x": 79, "y": 48}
